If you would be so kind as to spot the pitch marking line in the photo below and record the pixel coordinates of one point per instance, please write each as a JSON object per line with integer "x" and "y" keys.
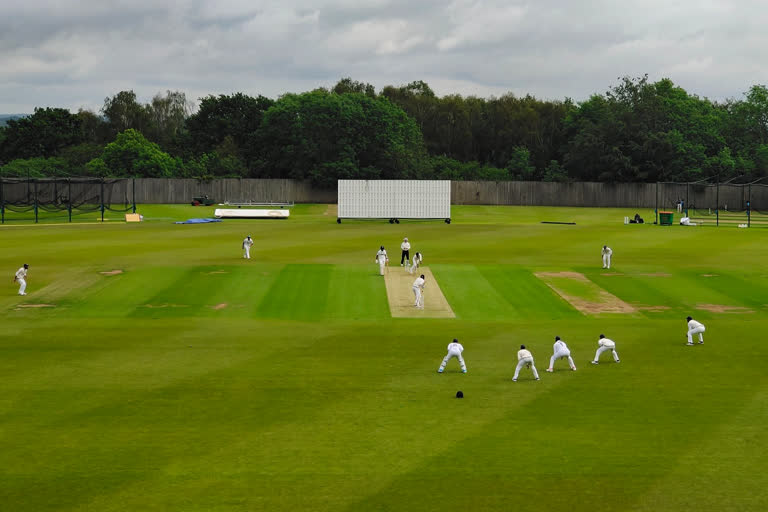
{"x": 604, "y": 302}
{"x": 400, "y": 295}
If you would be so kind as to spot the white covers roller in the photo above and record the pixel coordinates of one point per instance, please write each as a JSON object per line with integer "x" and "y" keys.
{"x": 250, "y": 213}
{"x": 394, "y": 199}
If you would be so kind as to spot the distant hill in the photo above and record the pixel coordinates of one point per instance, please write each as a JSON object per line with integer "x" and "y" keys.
{"x": 4, "y": 118}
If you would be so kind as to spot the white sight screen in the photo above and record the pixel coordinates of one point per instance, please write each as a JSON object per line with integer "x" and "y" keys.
{"x": 394, "y": 199}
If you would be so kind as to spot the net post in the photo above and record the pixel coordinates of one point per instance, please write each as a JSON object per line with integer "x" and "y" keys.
{"x": 69, "y": 198}
{"x": 749, "y": 205}
{"x": 656, "y": 211}
{"x": 102, "y": 199}
{"x": 687, "y": 197}
{"x": 134, "y": 194}
{"x": 2, "y": 203}
{"x": 717, "y": 202}
{"x": 35, "y": 201}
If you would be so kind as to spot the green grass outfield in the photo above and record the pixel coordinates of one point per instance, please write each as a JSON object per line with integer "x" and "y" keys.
{"x": 198, "y": 381}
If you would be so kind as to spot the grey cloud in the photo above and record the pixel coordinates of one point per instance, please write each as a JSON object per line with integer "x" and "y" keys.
{"x": 74, "y": 53}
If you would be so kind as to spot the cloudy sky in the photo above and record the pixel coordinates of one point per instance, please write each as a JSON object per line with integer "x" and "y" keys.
{"x": 73, "y": 54}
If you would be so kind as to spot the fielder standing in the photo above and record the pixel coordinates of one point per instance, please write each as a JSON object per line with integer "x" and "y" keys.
{"x": 21, "y": 278}
{"x": 524, "y": 358}
{"x": 381, "y": 259}
{"x": 247, "y": 244}
{"x": 694, "y": 327}
{"x": 561, "y": 352}
{"x": 405, "y": 256}
{"x": 418, "y": 291}
{"x": 604, "y": 345}
{"x": 607, "y": 253}
{"x": 417, "y": 259}
{"x": 454, "y": 350}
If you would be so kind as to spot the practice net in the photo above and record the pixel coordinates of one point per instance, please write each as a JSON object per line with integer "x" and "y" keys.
{"x": 59, "y": 199}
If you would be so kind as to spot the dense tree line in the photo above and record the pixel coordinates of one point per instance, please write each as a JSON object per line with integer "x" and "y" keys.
{"x": 636, "y": 131}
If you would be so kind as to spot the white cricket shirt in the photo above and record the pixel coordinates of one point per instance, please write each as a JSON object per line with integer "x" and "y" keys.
{"x": 405, "y": 246}
{"x": 605, "y": 342}
{"x": 522, "y": 354}
{"x": 693, "y": 324}
{"x": 21, "y": 273}
{"x": 455, "y": 347}
{"x": 418, "y": 283}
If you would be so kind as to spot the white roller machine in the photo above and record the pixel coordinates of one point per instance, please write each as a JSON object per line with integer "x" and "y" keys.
{"x": 250, "y": 213}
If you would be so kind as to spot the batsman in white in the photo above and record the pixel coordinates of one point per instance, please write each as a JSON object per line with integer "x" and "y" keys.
{"x": 607, "y": 253}
{"x": 21, "y": 278}
{"x": 381, "y": 259}
{"x": 454, "y": 350}
{"x": 247, "y": 244}
{"x": 604, "y": 345}
{"x": 695, "y": 327}
{"x": 561, "y": 352}
{"x": 417, "y": 259}
{"x": 418, "y": 291}
{"x": 405, "y": 256}
{"x": 525, "y": 358}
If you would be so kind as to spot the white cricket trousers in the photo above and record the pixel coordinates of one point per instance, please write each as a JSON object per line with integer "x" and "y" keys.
{"x": 560, "y": 355}
{"x": 604, "y": 349}
{"x": 451, "y": 355}
{"x": 247, "y": 253}
{"x": 413, "y": 267}
{"x": 382, "y": 262}
{"x": 419, "y": 299}
{"x": 22, "y": 286}
{"x": 696, "y": 330}
{"x": 524, "y": 361}
{"x": 606, "y": 261}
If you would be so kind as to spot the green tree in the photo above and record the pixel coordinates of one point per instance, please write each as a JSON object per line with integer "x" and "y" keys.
{"x": 237, "y": 117}
{"x": 326, "y": 136}
{"x": 347, "y": 85}
{"x": 168, "y": 114}
{"x": 124, "y": 112}
{"x": 131, "y": 154}
{"x": 43, "y": 134}
{"x": 37, "y": 167}
{"x": 519, "y": 164}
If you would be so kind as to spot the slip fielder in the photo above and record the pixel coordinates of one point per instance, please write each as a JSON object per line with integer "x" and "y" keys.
{"x": 454, "y": 350}
{"x": 525, "y": 358}
{"x": 695, "y": 327}
{"x": 561, "y": 351}
{"x": 604, "y": 345}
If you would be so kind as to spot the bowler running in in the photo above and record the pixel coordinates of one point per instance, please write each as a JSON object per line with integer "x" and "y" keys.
{"x": 607, "y": 253}
{"x": 417, "y": 259}
{"x": 381, "y": 259}
{"x": 247, "y": 244}
{"x": 21, "y": 278}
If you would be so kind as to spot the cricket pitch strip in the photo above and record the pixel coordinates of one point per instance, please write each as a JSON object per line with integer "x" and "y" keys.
{"x": 400, "y": 295}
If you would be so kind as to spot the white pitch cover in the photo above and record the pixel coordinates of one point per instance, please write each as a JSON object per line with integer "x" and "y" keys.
{"x": 394, "y": 199}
